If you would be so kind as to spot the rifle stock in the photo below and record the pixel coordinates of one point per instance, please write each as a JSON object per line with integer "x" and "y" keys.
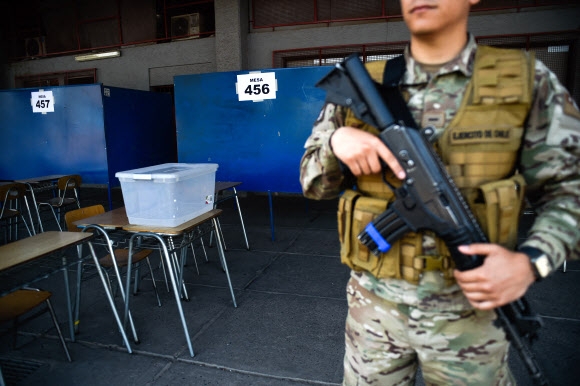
{"x": 427, "y": 199}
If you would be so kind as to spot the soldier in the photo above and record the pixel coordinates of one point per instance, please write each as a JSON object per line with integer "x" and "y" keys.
{"x": 502, "y": 121}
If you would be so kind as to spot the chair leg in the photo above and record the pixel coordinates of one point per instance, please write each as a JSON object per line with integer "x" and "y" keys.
{"x": 153, "y": 280}
{"x": 162, "y": 263}
{"x": 108, "y": 281}
{"x": 241, "y": 219}
{"x": 80, "y": 268}
{"x": 53, "y": 214}
{"x": 136, "y": 278}
{"x": 56, "y": 218}
{"x": 194, "y": 258}
{"x": 10, "y": 230}
{"x": 59, "y": 217}
{"x": 203, "y": 247}
{"x": 219, "y": 229}
{"x": 9, "y": 226}
{"x": 26, "y": 225}
{"x": 2, "y": 381}
{"x": 55, "y": 321}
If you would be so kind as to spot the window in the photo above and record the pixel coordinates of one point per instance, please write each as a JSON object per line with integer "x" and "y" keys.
{"x": 556, "y": 50}
{"x": 326, "y": 56}
{"x": 64, "y": 78}
{"x": 267, "y": 14}
{"x": 271, "y": 14}
{"x": 38, "y": 29}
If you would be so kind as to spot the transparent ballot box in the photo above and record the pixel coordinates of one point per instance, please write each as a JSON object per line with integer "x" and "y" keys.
{"x": 169, "y": 194}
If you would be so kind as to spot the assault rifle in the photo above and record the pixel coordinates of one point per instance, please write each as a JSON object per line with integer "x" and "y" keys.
{"x": 428, "y": 199}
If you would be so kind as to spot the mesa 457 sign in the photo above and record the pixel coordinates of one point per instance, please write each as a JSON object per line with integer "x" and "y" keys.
{"x": 42, "y": 101}
{"x": 256, "y": 86}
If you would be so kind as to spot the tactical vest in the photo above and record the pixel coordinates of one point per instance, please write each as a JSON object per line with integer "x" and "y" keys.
{"x": 479, "y": 147}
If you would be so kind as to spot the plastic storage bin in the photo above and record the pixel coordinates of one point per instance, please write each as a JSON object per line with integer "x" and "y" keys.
{"x": 168, "y": 195}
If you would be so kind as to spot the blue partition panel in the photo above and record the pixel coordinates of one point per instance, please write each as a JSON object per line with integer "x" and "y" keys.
{"x": 94, "y": 131}
{"x": 69, "y": 140}
{"x": 139, "y": 129}
{"x": 258, "y": 143}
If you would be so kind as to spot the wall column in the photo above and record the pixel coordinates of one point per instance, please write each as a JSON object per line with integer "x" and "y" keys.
{"x": 231, "y": 30}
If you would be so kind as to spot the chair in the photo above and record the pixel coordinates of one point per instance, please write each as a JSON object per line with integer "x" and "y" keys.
{"x": 68, "y": 195}
{"x": 116, "y": 257}
{"x": 11, "y": 197}
{"x": 18, "y": 303}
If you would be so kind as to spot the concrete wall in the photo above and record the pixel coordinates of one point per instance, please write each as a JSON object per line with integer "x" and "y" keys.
{"x": 137, "y": 68}
{"x": 233, "y": 48}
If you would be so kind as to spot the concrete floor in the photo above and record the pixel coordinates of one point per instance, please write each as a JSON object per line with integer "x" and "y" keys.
{"x": 287, "y": 328}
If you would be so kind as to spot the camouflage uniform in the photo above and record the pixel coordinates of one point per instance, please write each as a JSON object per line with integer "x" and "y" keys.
{"x": 392, "y": 324}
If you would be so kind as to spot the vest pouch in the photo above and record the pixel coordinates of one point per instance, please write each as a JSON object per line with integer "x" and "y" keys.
{"x": 344, "y": 217}
{"x": 498, "y": 206}
{"x": 366, "y": 209}
{"x": 356, "y": 255}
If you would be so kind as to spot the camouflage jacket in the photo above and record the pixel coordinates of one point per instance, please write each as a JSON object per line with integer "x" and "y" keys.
{"x": 550, "y": 157}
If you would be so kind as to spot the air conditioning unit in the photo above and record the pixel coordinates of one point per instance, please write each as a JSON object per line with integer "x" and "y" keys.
{"x": 35, "y": 46}
{"x": 184, "y": 25}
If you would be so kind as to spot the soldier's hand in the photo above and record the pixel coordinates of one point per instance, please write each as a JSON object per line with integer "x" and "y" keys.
{"x": 504, "y": 276}
{"x": 362, "y": 151}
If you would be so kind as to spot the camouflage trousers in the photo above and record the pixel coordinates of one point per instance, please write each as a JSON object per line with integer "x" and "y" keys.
{"x": 385, "y": 342}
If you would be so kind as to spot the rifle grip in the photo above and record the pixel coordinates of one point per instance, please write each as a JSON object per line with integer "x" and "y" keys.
{"x": 462, "y": 261}
{"x": 467, "y": 262}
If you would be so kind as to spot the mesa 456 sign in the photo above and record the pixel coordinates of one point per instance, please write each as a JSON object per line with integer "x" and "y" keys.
{"x": 257, "y": 86}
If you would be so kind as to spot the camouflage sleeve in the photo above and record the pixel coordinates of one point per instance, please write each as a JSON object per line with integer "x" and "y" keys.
{"x": 320, "y": 173}
{"x": 550, "y": 163}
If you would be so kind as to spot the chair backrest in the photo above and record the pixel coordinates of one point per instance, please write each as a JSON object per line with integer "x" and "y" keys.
{"x": 72, "y": 181}
{"x": 10, "y": 192}
{"x": 69, "y": 183}
{"x": 78, "y": 214}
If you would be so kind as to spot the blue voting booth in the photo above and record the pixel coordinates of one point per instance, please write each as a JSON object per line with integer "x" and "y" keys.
{"x": 91, "y": 130}
{"x": 257, "y": 142}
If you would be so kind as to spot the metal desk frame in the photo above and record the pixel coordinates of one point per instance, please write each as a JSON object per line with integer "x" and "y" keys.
{"x": 169, "y": 240}
{"x": 39, "y": 246}
{"x": 45, "y": 244}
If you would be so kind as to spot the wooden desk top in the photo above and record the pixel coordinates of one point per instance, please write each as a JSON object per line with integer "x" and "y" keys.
{"x": 177, "y": 230}
{"x": 37, "y": 246}
{"x": 117, "y": 219}
{"x": 113, "y": 219}
{"x": 36, "y": 180}
{"x": 223, "y": 185}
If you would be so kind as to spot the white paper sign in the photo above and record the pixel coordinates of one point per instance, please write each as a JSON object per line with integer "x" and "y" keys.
{"x": 256, "y": 86}
{"x": 42, "y": 102}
